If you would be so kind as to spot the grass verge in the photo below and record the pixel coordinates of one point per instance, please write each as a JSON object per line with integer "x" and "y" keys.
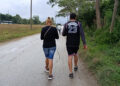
{"x": 103, "y": 61}
{"x": 12, "y": 31}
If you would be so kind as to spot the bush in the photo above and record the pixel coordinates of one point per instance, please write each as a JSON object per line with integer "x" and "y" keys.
{"x": 103, "y": 36}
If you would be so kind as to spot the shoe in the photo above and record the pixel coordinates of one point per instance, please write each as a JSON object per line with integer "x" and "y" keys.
{"x": 50, "y": 77}
{"x": 76, "y": 68}
{"x": 71, "y": 75}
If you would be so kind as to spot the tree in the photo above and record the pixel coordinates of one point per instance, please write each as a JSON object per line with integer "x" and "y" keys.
{"x": 36, "y": 20}
{"x": 114, "y": 15}
{"x": 2, "y": 17}
{"x": 25, "y": 21}
{"x": 8, "y": 17}
{"x": 69, "y": 6}
{"x": 17, "y": 19}
{"x": 98, "y": 19}
{"x": 83, "y": 8}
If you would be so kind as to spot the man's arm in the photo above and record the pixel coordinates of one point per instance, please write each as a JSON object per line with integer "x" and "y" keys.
{"x": 82, "y": 36}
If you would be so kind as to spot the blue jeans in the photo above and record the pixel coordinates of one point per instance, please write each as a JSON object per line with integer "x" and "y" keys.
{"x": 49, "y": 52}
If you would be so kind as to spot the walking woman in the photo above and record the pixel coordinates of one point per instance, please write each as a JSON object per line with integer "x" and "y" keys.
{"x": 48, "y": 35}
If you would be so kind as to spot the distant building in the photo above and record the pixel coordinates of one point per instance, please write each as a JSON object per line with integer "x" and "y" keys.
{"x": 6, "y": 22}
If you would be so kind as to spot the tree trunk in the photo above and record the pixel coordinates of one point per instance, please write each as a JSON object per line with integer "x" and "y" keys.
{"x": 98, "y": 19}
{"x": 114, "y": 15}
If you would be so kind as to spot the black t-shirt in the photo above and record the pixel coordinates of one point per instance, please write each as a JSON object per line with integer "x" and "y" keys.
{"x": 73, "y": 30}
{"x": 50, "y": 36}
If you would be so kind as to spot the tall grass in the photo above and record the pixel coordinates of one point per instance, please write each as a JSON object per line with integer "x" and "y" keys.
{"x": 11, "y": 31}
{"x": 103, "y": 60}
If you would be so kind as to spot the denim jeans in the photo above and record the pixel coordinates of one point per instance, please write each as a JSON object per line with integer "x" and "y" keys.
{"x": 49, "y": 52}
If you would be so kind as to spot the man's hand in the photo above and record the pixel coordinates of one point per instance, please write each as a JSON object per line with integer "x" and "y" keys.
{"x": 85, "y": 46}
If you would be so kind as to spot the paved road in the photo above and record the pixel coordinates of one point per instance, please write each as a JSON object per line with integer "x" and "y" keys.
{"x": 22, "y": 64}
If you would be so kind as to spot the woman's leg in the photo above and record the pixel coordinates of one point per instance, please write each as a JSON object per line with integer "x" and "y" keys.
{"x": 50, "y": 66}
{"x": 46, "y": 60}
{"x": 47, "y": 63}
{"x": 51, "y": 55}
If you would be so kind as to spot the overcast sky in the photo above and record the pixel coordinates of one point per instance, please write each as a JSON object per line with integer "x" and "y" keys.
{"x": 22, "y": 7}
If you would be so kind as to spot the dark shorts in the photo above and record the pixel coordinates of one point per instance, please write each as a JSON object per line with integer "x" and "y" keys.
{"x": 49, "y": 52}
{"x": 72, "y": 50}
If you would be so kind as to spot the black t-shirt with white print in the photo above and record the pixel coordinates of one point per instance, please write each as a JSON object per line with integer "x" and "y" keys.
{"x": 73, "y": 30}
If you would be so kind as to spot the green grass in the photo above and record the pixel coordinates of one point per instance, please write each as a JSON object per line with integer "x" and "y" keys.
{"x": 103, "y": 61}
{"x": 8, "y": 32}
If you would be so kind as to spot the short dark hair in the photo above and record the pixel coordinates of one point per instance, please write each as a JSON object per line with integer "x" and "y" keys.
{"x": 72, "y": 16}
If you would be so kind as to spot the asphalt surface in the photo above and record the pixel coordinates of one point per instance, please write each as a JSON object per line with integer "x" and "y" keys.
{"x": 22, "y": 64}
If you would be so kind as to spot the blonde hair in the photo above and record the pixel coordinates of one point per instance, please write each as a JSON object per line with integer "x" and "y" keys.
{"x": 48, "y": 21}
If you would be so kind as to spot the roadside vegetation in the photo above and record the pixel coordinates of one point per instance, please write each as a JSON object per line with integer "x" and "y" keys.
{"x": 102, "y": 59}
{"x": 12, "y": 31}
{"x": 101, "y": 23}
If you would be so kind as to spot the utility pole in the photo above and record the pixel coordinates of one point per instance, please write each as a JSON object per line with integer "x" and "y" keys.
{"x": 31, "y": 15}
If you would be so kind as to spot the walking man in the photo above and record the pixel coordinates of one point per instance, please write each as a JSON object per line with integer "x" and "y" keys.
{"x": 73, "y": 30}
